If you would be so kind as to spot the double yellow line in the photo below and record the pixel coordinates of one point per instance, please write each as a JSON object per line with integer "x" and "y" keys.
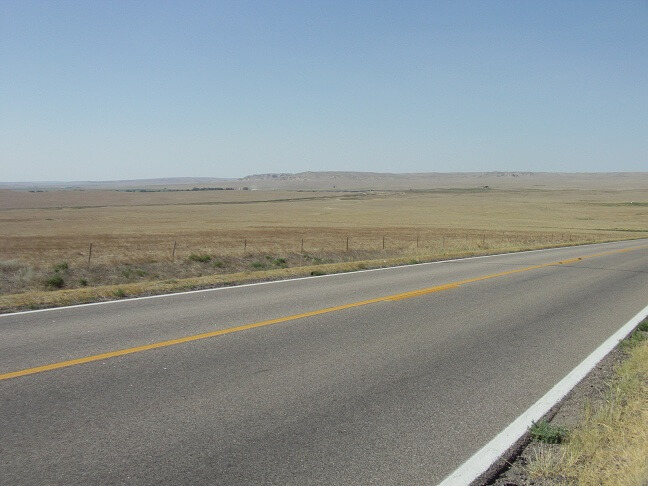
{"x": 245, "y": 327}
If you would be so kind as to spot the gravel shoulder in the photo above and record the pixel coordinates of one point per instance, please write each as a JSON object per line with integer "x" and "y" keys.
{"x": 511, "y": 469}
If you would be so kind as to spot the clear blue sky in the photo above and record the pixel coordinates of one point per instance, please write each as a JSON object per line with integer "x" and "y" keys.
{"x": 104, "y": 90}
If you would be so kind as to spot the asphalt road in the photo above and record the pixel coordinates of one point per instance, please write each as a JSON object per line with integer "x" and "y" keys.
{"x": 390, "y": 390}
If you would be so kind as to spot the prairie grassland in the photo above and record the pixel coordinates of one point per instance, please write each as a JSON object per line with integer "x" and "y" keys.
{"x": 138, "y": 238}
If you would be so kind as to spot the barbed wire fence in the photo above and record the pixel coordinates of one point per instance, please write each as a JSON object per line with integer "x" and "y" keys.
{"x": 109, "y": 250}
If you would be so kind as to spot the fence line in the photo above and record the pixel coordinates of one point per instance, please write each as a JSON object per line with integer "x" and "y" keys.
{"x": 374, "y": 241}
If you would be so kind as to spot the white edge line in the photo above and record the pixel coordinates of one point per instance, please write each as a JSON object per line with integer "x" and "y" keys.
{"x": 491, "y": 452}
{"x": 187, "y": 292}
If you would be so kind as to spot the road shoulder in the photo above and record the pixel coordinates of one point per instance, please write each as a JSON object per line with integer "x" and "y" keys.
{"x": 592, "y": 392}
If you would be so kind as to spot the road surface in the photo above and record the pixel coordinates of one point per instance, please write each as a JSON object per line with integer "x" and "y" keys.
{"x": 394, "y": 376}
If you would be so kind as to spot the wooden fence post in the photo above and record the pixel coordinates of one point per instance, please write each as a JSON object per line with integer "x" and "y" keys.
{"x": 173, "y": 253}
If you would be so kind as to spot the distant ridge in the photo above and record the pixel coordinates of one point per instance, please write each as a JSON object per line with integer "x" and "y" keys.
{"x": 375, "y": 175}
{"x": 340, "y": 180}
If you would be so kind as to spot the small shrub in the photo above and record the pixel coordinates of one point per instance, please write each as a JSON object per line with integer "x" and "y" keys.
{"x": 130, "y": 273}
{"x": 55, "y": 282}
{"x": 83, "y": 282}
{"x": 61, "y": 267}
{"x": 316, "y": 273}
{"x": 218, "y": 264}
{"x": 279, "y": 262}
{"x": 258, "y": 265}
{"x": 320, "y": 261}
{"x": 119, "y": 293}
{"x": 636, "y": 337}
{"x": 194, "y": 257}
{"x": 547, "y": 433}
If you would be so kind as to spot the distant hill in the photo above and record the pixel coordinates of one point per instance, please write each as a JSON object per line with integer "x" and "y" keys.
{"x": 313, "y": 181}
{"x": 434, "y": 180}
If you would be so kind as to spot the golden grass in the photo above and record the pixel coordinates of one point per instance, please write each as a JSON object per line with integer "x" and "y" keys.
{"x": 146, "y": 225}
{"x": 610, "y": 446}
{"x": 133, "y": 235}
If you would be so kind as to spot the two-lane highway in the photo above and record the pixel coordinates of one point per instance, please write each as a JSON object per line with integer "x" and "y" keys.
{"x": 388, "y": 376}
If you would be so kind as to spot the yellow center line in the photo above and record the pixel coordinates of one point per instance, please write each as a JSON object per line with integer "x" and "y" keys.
{"x": 269, "y": 322}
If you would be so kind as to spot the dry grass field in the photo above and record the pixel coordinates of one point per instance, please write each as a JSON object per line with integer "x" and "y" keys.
{"x": 155, "y": 241}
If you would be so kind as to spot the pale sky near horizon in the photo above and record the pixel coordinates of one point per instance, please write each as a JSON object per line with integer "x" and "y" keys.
{"x": 111, "y": 90}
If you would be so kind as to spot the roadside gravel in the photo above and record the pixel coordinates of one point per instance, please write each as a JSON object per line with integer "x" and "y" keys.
{"x": 511, "y": 470}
